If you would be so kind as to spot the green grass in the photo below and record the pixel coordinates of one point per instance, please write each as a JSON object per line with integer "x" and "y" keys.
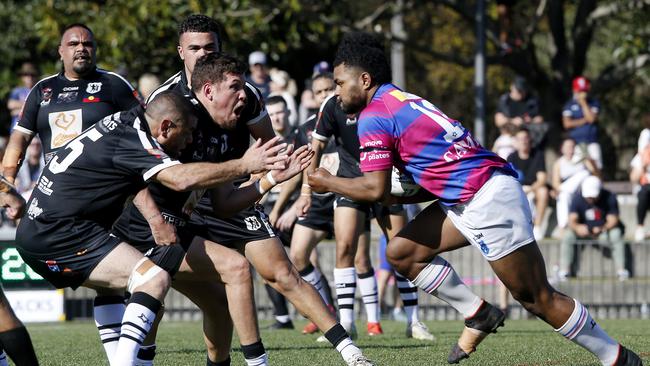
{"x": 521, "y": 342}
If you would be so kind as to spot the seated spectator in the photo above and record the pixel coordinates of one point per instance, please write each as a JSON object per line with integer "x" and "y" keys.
{"x": 520, "y": 108}
{"x": 568, "y": 174}
{"x": 504, "y": 145}
{"x": 531, "y": 168}
{"x": 580, "y": 117}
{"x": 640, "y": 176}
{"x": 593, "y": 215}
{"x": 28, "y": 77}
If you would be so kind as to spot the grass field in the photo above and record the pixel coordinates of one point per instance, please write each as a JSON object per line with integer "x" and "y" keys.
{"x": 521, "y": 342}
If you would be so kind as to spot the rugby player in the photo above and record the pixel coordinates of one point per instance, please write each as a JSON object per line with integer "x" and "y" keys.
{"x": 480, "y": 202}
{"x": 14, "y": 338}
{"x": 64, "y": 234}
{"x": 352, "y": 228}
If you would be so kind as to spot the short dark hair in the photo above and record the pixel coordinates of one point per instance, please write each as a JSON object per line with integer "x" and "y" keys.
{"x": 369, "y": 58}
{"x": 75, "y": 25}
{"x": 213, "y": 68}
{"x": 199, "y": 23}
{"x": 322, "y": 75}
{"x": 275, "y": 99}
{"x": 362, "y": 39}
{"x": 170, "y": 103}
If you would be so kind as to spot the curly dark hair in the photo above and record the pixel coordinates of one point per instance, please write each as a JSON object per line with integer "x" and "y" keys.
{"x": 199, "y": 23}
{"x": 213, "y": 67}
{"x": 362, "y": 39}
{"x": 368, "y": 58}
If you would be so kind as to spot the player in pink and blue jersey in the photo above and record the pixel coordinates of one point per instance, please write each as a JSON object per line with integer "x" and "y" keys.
{"x": 479, "y": 202}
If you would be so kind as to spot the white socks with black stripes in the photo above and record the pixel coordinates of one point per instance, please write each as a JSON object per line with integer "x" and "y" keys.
{"x": 139, "y": 316}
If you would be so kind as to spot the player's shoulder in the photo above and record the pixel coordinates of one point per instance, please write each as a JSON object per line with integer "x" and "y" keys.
{"x": 47, "y": 81}
{"x": 113, "y": 78}
{"x": 328, "y": 105}
{"x": 172, "y": 83}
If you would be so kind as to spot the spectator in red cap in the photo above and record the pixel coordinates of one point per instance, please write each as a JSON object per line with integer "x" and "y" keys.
{"x": 579, "y": 117}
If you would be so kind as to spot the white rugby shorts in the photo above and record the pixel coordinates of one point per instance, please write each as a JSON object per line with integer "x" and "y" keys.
{"x": 497, "y": 220}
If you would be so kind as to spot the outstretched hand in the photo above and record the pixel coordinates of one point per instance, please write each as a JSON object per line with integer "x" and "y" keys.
{"x": 14, "y": 204}
{"x": 318, "y": 180}
{"x": 268, "y": 156}
{"x": 298, "y": 161}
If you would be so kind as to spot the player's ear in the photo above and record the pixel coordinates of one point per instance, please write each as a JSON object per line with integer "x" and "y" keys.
{"x": 165, "y": 127}
{"x": 366, "y": 80}
{"x": 180, "y": 52}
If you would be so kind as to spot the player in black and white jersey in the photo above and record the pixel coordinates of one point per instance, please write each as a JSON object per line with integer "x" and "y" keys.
{"x": 64, "y": 235}
{"x": 15, "y": 341}
{"x": 350, "y": 218}
{"x": 199, "y": 35}
{"x": 61, "y": 106}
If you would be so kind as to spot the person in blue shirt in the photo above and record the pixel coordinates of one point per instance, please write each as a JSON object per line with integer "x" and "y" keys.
{"x": 594, "y": 215}
{"x": 580, "y": 117}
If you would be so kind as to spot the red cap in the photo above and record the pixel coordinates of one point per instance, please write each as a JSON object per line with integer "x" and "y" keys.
{"x": 581, "y": 84}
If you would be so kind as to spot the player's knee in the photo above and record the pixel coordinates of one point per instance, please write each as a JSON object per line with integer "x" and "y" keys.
{"x": 395, "y": 258}
{"x": 299, "y": 259}
{"x": 145, "y": 272}
{"x": 286, "y": 278}
{"x": 238, "y": 269}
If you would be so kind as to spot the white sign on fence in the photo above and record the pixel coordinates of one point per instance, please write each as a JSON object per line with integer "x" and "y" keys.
{"x": 37, "y": 305}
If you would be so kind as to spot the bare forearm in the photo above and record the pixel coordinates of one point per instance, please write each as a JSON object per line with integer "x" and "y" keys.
{"x": 357, "y": 189}
{"x": 14, "y": 154}
{"x": 145, "y": 203}
{"x": 193, "y": 176}
{"x": 288, "y": 188}
{"x": 228, "y": 200}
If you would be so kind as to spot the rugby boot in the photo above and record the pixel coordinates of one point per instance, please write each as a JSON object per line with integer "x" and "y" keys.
{"x": 628, "y": 358}
{"x": 419, "y": 330}
{"x": 375, "y": 329}
{"x": 360, "y": 361}
{"x": 486, "y": 320}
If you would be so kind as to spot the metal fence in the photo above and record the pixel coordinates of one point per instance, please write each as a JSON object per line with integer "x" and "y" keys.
{"x": 596, "y": 285}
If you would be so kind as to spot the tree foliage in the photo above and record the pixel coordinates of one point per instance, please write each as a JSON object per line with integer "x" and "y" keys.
{"x": 606, "y": 40}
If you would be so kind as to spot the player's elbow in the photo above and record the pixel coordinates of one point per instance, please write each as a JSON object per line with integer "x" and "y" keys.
{"x": 181, "y": 184}
{"x": 377, "y": 193}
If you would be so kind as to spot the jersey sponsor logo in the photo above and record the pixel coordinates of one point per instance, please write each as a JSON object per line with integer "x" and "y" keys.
{"x": 65, "y": 126}
{"x": 484, "y": 247}
{"x": 45, "y": 186}
{"x": 70, "y": 88}
{"x": 34, "y": 211}
{"x": 330, "y": 162}
{"x": 372, "y": 143}
{"x": 109, "y": 123}
{"x": 460, "y": 148}
{"x": 377, "y": 155}
{"x": 351, "y": 121}
{"x": 46, "y": 96}
{"x": 173, "y": 220}
{"x": 91, "y": 99}
{"x": 67, "y": 97}
{"x": 252, "y": 223}
{"x": 93, "y": 88}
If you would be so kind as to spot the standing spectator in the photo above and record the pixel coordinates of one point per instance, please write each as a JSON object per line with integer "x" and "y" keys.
{"x": 28, "y": 76}
{"x": 640, "y": 176}
{"x": 567, "y": 175}
{"x": 283, "y": 85}
{"x": 521, "y": 108}
{"x": 594, "y": 215}
{"x": 530, "y": 166}
{"x": 579, "y": 118}
{"x": 259, "y": 74}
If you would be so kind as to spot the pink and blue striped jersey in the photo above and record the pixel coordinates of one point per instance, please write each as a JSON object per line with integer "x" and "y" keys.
{"x": 403, "y": 130}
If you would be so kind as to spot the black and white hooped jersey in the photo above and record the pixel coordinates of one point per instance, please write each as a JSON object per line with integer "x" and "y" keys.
{"x": 58, "y": 109}
{"x": 91, "y": 178}
{"x": 332, "y": 121}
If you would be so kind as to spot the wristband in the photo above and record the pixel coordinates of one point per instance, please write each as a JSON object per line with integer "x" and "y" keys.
{"x": 5, "y": 185}
{"x": 259, "y": 186}
{"x": 269, "y": 177}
